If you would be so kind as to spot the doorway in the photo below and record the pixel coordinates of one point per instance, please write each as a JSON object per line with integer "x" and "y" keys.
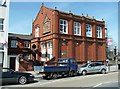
{"x": 12, "y": 62}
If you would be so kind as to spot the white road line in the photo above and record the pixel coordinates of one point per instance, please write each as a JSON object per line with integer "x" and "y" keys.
{"x": 98, "y": 85}
{"x": 104, "y": 83}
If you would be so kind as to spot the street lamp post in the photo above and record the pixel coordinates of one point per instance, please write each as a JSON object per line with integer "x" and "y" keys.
{"x": 34, "y": 52}
{"x": 115, "y": 56}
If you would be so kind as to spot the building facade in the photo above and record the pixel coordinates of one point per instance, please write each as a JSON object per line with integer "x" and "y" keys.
{"x": 58, "y": 34}
{"x": 4, "y": 17}
{"x": 18, "y": 44}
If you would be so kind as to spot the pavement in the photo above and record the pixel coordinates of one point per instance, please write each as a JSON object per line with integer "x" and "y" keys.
{"x": 112, "y": 68}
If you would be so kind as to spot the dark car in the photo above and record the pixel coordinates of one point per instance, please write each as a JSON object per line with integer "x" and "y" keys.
{"x": 10, "y": 76}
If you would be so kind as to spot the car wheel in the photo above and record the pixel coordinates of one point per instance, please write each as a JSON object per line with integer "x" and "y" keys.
{"x": 71, "y": 73}
{"x": 84, "y": 72}
{"x": 54, "y": 75}
{"x": 103, "y": 71}
{"x": 22, "y": 80}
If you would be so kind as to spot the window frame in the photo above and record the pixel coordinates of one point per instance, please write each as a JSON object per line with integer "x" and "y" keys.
{"x": 15, "y": 42}
{"x": 2, "y": 24}
{"x": 28, "y": 44}
{"x": 89, "y": 28}
{"x": 43, "y": 45}
{"x": 37, "y": 31}
{"x": 77, "y": 28}
{"x": 99, "y": 32}
{"x": 27, "y": 56}
{"x": 50, "y": 45}
{"x": 64, "y": 26}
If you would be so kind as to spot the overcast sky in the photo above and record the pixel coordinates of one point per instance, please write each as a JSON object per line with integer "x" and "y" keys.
{"x": 22, "y": 14}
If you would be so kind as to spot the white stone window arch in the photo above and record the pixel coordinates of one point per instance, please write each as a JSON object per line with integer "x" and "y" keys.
{"x": 37, "y": 31}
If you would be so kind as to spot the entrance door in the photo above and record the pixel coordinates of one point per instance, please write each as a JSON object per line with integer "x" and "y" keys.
{"x": 12, "y": 63}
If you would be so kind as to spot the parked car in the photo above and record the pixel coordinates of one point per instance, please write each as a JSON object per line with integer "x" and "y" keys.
{"x": 11, "y": 76}
{"x": 93, "y": 67}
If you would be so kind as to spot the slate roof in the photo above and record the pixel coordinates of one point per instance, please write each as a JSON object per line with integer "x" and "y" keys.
{"x": 20, "y": 36}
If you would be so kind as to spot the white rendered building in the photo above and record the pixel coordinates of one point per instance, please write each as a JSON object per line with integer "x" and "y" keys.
{"x": 4, "y": 18}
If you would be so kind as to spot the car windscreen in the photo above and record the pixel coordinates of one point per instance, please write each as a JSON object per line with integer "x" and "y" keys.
{"x": 62, "y": 61}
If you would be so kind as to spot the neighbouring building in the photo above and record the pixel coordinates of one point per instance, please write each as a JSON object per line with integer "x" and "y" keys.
{"x": 18, "y": 44}
{"x": 4, "y": 17}
{"x": 58, "y": 34}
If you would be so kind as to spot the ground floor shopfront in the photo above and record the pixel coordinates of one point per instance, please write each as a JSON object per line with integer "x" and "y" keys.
{"x": 82, "y": 49}
{"x": 3, "y": 55}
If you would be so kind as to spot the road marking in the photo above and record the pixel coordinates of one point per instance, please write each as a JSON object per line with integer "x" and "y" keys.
{"x": 43, "y": 82}
{"x": 104, "y": 83}
{"x": 77, "y": 77}
{"x": 98, "y": 85}
{"x": 73, "y": 78}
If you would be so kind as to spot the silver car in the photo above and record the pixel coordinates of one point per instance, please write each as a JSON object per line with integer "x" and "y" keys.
{"x": 93, "y": 67}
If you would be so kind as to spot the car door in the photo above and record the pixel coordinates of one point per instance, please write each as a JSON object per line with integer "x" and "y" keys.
{"x": 97, "y": 67}
{"x": 73, "y": 64}
{"x": 8, "y": 76}
{"x": 90, "y": 68}
{"x": 5, "y": 76}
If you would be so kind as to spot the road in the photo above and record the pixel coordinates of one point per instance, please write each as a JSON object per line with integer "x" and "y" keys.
{"x": 93, "y": 80}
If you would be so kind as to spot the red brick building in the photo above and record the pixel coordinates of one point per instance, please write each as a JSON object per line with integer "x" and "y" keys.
{"x": 19, "y": 44}
{"x": 59, "y": 34}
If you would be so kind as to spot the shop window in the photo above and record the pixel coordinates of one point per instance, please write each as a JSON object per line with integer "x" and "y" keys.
{"x": 44, "y": 45}
{"x": 2, "y": 58}
{"x": 1, "y": 47}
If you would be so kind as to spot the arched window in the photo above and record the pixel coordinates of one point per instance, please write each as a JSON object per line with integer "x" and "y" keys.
{"x": 37, "y": 31}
